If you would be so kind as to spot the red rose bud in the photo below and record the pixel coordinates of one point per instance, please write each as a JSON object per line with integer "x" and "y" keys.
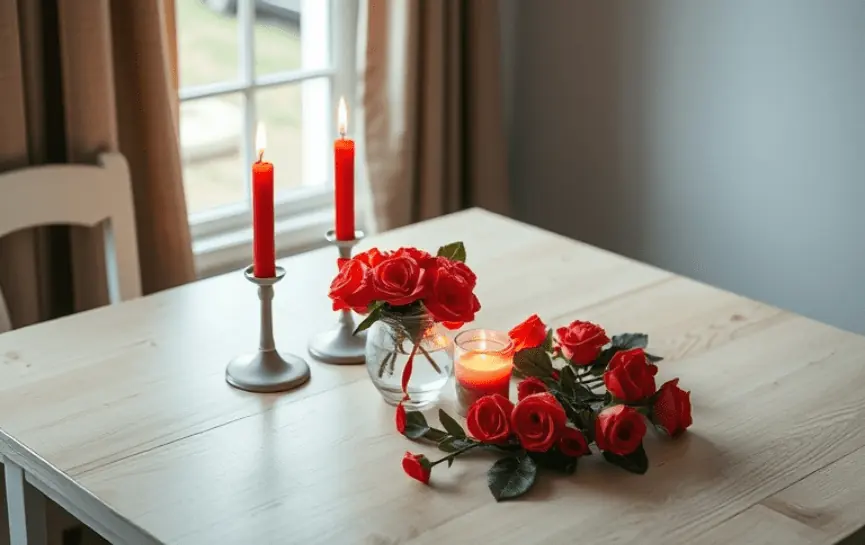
{"x": 538, "y": 421}
{"x": 417, "y": 467}
{"x": 619, "y": 430}
{"x": 400, "y": 418}
{"x": 530, "y": 386}
{"x": 630, "y": 376}
{"x": 529, "y": 334}
{"x": 581, "y": 342}
{"x": 398, "y": 280}
{"x": 450, "y": 297}
{"x": 351, "y": 288}
{"x": 573, "y": 443}
{"x": 488, "y": 419}
{"x": 672, "y": 410}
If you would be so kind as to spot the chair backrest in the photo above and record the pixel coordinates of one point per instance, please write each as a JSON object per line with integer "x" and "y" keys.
{"x": 74, "y": 194}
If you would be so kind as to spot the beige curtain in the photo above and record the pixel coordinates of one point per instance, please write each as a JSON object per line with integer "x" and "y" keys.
{"x": 78, "y": 77}
{"x": 432, "y": 108}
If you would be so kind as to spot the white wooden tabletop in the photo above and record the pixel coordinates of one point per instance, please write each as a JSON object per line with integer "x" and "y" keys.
{"x": 124, "y": 410}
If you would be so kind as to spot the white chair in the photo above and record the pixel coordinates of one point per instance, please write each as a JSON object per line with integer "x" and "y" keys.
{"x": 74, "y": 194}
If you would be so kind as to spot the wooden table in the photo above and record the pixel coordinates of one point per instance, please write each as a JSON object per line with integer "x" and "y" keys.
{"x": 123, "y": 417}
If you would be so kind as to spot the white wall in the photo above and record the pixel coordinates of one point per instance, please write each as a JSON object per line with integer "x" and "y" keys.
{"x": 720, "y": 139}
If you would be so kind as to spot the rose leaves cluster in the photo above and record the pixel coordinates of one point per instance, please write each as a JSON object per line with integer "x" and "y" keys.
{"x": 579, "y": 387}
{"x": 375, "y": 281}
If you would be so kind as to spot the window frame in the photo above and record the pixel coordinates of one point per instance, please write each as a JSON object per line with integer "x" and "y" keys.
{"x": 222, "y": 237}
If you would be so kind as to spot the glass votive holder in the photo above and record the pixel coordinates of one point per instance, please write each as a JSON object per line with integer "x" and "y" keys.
{"x": 483, "y": 364}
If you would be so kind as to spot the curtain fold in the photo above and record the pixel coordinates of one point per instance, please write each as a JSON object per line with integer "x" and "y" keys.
{"x": 433, "y": 118}
{"x": 77, "y": 79}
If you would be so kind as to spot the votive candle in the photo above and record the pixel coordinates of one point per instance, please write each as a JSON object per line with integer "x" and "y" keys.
{"x": 483, "y": 365}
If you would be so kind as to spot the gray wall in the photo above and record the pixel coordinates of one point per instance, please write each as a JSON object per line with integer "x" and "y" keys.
{"x": 720, "y": 139}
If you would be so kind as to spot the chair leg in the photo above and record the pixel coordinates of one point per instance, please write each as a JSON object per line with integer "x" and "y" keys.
{"x": 26, "y": 505}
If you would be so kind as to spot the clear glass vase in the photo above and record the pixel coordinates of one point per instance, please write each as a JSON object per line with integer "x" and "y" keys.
{"x": 391, "y": 341}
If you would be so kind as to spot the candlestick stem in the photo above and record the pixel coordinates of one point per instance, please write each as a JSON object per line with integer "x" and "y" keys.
{"x": 267, "y": 370}
{"x": 339, "y": 345}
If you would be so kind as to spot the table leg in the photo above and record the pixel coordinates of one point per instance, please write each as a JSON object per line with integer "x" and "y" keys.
{"x": 27, "y": 523}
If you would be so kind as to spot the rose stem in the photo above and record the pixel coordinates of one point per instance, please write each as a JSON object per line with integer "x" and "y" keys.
{"x": 455, "y": 454}
{"x": 429, "y": 358}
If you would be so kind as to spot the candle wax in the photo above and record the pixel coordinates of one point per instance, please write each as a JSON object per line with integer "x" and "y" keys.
{"x": 344, "y": 188}
{"x": 263, "y": 243}
{"x": 479, "y": 374}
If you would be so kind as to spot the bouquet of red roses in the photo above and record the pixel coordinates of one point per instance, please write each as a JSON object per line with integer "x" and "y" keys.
{"x": 578, "y": 388}
{"x": 411, "y": 289}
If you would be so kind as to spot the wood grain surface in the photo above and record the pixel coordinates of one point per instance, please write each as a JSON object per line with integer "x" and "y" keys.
{"x": 124, "y": 410}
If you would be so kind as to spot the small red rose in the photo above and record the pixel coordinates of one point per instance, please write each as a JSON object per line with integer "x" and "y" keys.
{"x": 538, "y": 421}
{"x": 488, "y": 419}
{"x": 351, "y": 288}
{"x": 672, "y": 410}
{"x": 581, "y": 342}
{"x": 398, "y": 280}
{"x": 630, "y": 376}
{"x": 573, "y": 443}
{"x": 529, "y": 334}
{"x": 450, "y": 297}
{"x": 423, "y": 258}
{"x": 619, "y": 430}
{"x": 529, "y": 386}
{"x": 417, "y": 467}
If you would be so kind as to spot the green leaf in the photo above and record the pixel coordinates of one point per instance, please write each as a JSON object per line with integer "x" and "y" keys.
{"x": 635, "y": 462}
{"x": 548, "y": 341}
{"x": 374, "y": 315}
{"x": 653, "y": 358}
{"x": 415, "y": 425}
{"x": 534, "y": 362}
{"x": 450, "y": 462}
{"x": 627, "y": 341}
{"x": 455, "y": 251}
{"x": 435, "y": 435}
{"x": 568, "y": 380}
{"x": 554, "y": 459}
{"x": 511, "y": 477}
{"x": 453, "y": 444}
{"x": 451, "y": 426}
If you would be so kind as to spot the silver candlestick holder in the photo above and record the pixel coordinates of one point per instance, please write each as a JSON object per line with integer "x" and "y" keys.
{"x": 267, "y": 370}
{"x": 339, "y": 345}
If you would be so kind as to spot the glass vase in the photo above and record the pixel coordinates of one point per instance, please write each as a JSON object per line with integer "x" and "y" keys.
{"x": 392, "y": 341}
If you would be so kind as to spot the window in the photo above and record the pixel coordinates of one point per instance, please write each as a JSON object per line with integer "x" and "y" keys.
{"x": 284, "y": 63}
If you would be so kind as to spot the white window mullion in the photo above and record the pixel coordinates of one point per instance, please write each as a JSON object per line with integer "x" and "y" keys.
{"x": 246, "y": 43}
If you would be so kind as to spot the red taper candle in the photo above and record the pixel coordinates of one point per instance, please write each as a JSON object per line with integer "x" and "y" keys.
{"x": 263, "y": 244}
{"x": 344, "y": 178}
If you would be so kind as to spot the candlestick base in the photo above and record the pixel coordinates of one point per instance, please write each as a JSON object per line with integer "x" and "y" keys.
{"x": 266, "y": 371}
{"x": 338, "y": 345}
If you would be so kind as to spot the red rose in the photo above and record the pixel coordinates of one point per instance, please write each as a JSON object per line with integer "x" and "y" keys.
{"x": 351, "y": 288}
{"x": 630, "y": 377}
{"x": 398, "y": 280}
{"x": 619, "y": 430}
{"x": 371, "y": 257}
{"x": 529, "y": 334}
{"x": 672, "y": 410}
{"x": 530, "y": 386}
{"x": 573, "y": 442}
{"x": 416, "y": 466}
{"x": 488, "y": 419}
{"x": 538, "y": 420}
{"x": 450, "y": 297}
{"x": 581, "y": 341}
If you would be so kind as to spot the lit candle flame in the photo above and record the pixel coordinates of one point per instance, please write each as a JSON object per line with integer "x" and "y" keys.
{"x": 342, "y": 118}
{"x": 260, "y": 141}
